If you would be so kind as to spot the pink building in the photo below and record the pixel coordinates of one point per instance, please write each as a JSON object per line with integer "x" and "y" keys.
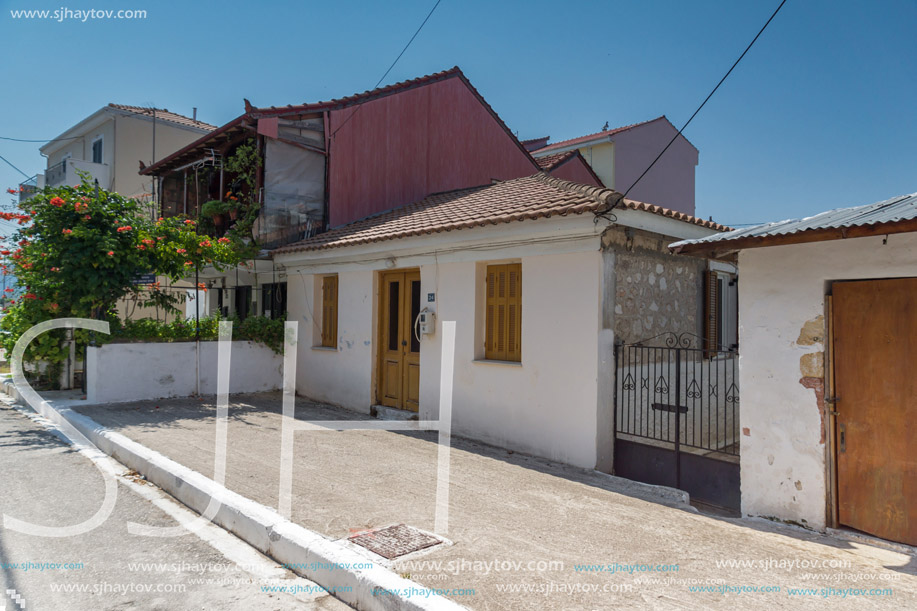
{"x": 620, "y": 155}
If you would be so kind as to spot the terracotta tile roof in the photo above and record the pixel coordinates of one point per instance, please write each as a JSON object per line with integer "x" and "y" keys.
{"x": 591, "y": 137}
{"x": 549, "y": 162}
{"x": 531, "y": 197}
{"x": 357, "y": 98}
{"x": 165, "y": 115}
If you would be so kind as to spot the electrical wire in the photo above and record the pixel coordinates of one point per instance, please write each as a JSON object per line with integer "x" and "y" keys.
{"x": 9, "y": 163}
{"x": 710, "y": 95}
{"x": 47, "y": 141}
{"x": 379, "y": 82}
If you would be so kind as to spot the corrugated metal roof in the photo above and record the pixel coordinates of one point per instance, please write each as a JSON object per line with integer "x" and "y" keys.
{"x": 900, "y": 208}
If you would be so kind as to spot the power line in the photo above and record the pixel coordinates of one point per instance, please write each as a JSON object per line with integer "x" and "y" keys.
{"x": 46, "y": 141}
{"x": 14, "y": 167}
{"x": 379, "y": 82}
{"x": 710, "y": 95}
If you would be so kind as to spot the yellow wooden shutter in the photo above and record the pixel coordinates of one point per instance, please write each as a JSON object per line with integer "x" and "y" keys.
{"x": 329, "y": 311}
{"x": 514, "y": 312}
{"x": 503, "y": 313}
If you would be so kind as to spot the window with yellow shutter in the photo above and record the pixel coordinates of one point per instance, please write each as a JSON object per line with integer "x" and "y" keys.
{"x": 503, "y": 312}
{"x": 329, "y": 311}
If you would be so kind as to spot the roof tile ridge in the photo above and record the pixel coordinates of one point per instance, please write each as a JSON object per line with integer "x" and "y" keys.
{"x": 608, "y": 198}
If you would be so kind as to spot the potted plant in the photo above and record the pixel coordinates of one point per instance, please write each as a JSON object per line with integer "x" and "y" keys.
{"x": 232, "y": 206}
{"x": 215, "y": 209}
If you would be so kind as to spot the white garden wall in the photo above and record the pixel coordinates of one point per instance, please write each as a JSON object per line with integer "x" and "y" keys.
{"x": 781, "y": 289}
{"x": 140, "y": 371}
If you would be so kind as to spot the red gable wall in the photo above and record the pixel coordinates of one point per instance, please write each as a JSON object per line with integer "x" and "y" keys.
{"x": 398, "y": 149}
{"x": 578, "y": 171}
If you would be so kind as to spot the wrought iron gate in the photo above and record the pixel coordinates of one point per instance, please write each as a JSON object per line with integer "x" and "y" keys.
{"x": 677, "y": 417}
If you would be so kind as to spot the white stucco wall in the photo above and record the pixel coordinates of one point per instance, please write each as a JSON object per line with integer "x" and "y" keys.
{"x": 783, "y": 457}
{"x": 342, "y": 375}
{"x": 140, "y": 371}
{"x": 545, "y": 406}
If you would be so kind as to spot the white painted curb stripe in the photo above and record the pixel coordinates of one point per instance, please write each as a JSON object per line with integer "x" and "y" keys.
{"x": 263, "y": 528}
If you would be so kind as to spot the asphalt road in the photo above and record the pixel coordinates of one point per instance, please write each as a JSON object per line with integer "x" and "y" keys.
{"x": 45, "y": 481}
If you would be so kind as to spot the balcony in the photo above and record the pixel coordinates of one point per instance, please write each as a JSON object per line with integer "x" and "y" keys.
{"x": 28, "y": 188}
{"x": 64, "y": 174}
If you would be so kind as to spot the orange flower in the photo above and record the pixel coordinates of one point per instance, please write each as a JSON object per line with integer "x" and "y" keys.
{"x": 111, "y": 253}
{"x": 67, "y": 231}
{"x": 180, "y": 251}
{"x": 188, "y": 263}
{"x": 56, "y": 201}
{"x": 223, "y": 240}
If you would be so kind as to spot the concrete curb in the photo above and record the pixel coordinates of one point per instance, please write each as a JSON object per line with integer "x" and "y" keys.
{"x": 264, "y": 529}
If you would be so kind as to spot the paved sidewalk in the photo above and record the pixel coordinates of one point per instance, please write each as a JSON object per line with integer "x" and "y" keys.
{"x": 45, "y": 481}
{"x": 527, "y": 533}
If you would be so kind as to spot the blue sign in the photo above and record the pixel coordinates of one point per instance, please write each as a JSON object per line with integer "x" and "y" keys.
{"x": 144, "y": 279}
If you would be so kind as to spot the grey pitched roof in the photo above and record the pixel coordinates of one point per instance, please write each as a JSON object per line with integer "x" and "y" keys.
{"x": 894, "y": 210}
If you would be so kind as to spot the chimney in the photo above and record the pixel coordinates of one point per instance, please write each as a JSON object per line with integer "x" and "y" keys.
{"x": 194, "y": 114}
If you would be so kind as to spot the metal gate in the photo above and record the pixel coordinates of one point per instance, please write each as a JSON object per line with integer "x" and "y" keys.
{"x": 677, "y": 417}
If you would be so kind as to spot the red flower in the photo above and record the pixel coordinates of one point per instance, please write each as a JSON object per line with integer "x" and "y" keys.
{"x": 56, "y": 201}
{"x": 67, "y": 231}
{"x": 189, "y": 222}
{"x": 4, "y": 252}
{"x": 180, "y": 251}
{"x": 30, "y": 296}
{"x": 55, "y": 269}
{"x": 223, "y": 240}
{"x": 111, "y": 253}
{"x": 205, "y": 243}
{"x": 188, "y": 263}
{"x": 123, "y": 229}
{"x": 12, "y": 191}
{"x": 141, "y": 247}
{"x": 8, "y": 290}
{"x": 87, "y": 217}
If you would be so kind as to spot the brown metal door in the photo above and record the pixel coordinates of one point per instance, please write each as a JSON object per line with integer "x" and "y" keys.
{"x": 875, "y": 355}
{"x": 399, "y": 354}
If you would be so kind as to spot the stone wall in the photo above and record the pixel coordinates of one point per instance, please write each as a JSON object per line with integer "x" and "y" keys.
{"x": 655, "y": 291}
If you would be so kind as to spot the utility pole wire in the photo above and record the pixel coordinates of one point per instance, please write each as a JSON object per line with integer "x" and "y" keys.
{"x": 14, "y": 167}
{"x": 379, "y": 82}
{"x": 710, "y": 95}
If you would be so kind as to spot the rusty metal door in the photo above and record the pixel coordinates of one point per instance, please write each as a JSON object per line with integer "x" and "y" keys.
{"x": 875, "y": 355}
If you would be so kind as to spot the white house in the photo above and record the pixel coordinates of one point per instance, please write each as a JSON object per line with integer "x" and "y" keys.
{"x": 541, "y": 276}
{"x": 110, "y": 143}
{"x": 828, "y": 326}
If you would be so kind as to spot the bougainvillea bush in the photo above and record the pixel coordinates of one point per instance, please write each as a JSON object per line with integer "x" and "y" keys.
{"x": 80, "y": 249}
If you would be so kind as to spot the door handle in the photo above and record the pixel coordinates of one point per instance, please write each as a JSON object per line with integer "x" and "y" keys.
{"x": 842, "y": 437}
{"x": 404, "y": 342}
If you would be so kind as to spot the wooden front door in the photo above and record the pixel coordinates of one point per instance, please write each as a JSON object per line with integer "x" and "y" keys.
{"x": 875, "y": 356}
{"x": 399, "y": 347}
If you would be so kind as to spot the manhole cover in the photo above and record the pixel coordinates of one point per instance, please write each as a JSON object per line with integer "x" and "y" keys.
{"x": 394, "y": 541}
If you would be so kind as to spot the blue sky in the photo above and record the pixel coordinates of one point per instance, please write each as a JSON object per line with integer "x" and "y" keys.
{"x": 820, "y": 113}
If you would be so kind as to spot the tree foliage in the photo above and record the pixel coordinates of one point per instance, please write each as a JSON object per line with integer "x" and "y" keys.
{"x": 80, "y": 249}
